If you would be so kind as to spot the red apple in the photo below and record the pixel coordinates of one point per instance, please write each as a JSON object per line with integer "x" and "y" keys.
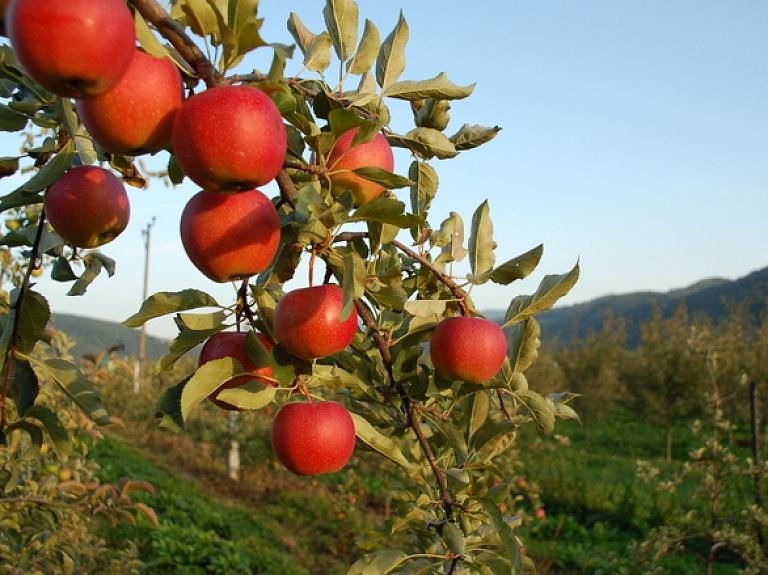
{"x": 313, "y": 438}
{"x": 232, "y": 344}
{"x": 73, "y": 48}
{"x": 344, "y": 158}
{"x": 230, "y": 139}
{"x": 469, "y": 349}
{"x": 136, "y": 116}
{"x": 88, "y": 206}
{"x": 539, "y": 513}
{"x": 307, "y": 322}
{"x": 230, "y": 237}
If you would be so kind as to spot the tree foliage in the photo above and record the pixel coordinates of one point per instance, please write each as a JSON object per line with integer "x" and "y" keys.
{"x": 444, "y": 435}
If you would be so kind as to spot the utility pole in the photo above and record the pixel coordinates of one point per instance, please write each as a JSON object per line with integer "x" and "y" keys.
{"x": 147, "y": 233}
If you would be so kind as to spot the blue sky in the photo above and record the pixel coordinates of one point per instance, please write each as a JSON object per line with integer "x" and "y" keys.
{"x": 635, "y": 140}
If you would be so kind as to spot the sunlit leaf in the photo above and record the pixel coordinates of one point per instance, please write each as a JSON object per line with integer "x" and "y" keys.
{"x": 551, "y": 289}
{"x": 377, "y": 441}
{"x": 523, "y": 344}
{"x": 207, "y": 379}
{"x": 390, "y": 63}
{"x": 514, "y": 269}
{"x": 147, "y": 38}
{"x": 163, "y": 303}
{"x": 439, "y": 87}
{"x": 425, "y": 307}
{"x": 54, "y": 427}
{"x": 76, "y": 386}
{"x": 248, "y": 400}
{"x": 341, "y": 20}
{"x": 168, "y": 409}
{"x": 539, "y": 408}
{"x": 382, "y": 177}
{"x": 367, "y": 51}
{"x": 303, "y": 37}
{"x": 481, "y": 243}
{"x": 318, "y": 56}
{"x": 469, "y": 137}
{"x": 427, "y": 143}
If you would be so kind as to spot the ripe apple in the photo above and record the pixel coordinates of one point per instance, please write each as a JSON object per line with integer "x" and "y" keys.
{"x": 539, "y": 513}
{"x": 230, "y": 139}
{"x": 344, "y": 158}
{"x": 136, "y": 116}
{"x": 313, "y": 438}
{"x": 88, "y": 206}
{"x": 230, "y": 237}
{"x": 232, "y": 344}
{"x": 307, "y": 322}
{"x": 468, "y": 349}
{"x": 73, "y": 48}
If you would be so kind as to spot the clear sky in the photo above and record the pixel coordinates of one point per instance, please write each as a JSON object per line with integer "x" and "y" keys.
{"x": 635, "y": 140}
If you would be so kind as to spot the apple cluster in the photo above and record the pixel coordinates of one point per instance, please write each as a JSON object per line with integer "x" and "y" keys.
{"x": 229, "y": 140}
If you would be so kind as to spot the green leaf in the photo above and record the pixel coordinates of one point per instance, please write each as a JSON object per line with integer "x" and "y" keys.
{"x": 514, "y": 269}
{"x": 147, "y": 38}
{"x": 35, "y": 434}
{"x": 163, "y": 303}
{"x": 450, "y": 237}
{"x": 65, "y": 112}
{"x": 249, "y": 400}
{"x": 523, "y": 344}
{"x": 427, "y": 143}
{"x": 439, "y": 87}
{"x": 366, "y": 51}
{"x": 541, "y": 411}
{"x": 168, "y": 409}
{"x": 453, "y": 539}
{"x": 304, "y": 38}
{"x": 426, "y": 307}
{"x": 425, "y": 186}
{"x": 318, "y": 56}
{"x": 382, "y": 177}
{"x": 8, "y": 166}
{"x": 203, "y": 19}
{"x": 203, "y": 321}
{"x": 386, "y": 211}
{"x": 76, "y": 386}
{"x": 345, "y": 119}
{"x": 432, "y": 113}
{"x": 469, "y": 137}
{"x": 53, "y": 170}
{"x": 182, "y": 343}
{"x": 10, "y": 120}
{"x": 508, "y": 539}
{"x": 32, "y": 319}
{"x": 479, "y": 408}
{"x": 390, "y": 63}
{"x": 491, "y": 432}
{"x": 377, "y": 441}
{"x": 379, "y": 562}
{"x": 53, "y": 426}
{"x": 481, "y": 244}
{"x": 551, "y": 289}
{"x": 94, "y": 263}
{"x": 256, "y": 350}
{"x": 352, "y": 282}
{"x": 207, "y": 379}
{"x": 24, "y": 385}
{"x": 341, "y": 20}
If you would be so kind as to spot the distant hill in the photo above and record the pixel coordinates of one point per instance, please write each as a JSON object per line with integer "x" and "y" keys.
{"x": 708, "y": 297}
{"x": 93, "y": 336}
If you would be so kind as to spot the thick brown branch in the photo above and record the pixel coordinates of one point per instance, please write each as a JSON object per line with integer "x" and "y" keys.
{"x": 287, "y": 188}
{"x": 154, "y": 14}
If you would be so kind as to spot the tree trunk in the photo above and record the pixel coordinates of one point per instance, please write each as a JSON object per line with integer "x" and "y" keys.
{"x": 669, "y": 443}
